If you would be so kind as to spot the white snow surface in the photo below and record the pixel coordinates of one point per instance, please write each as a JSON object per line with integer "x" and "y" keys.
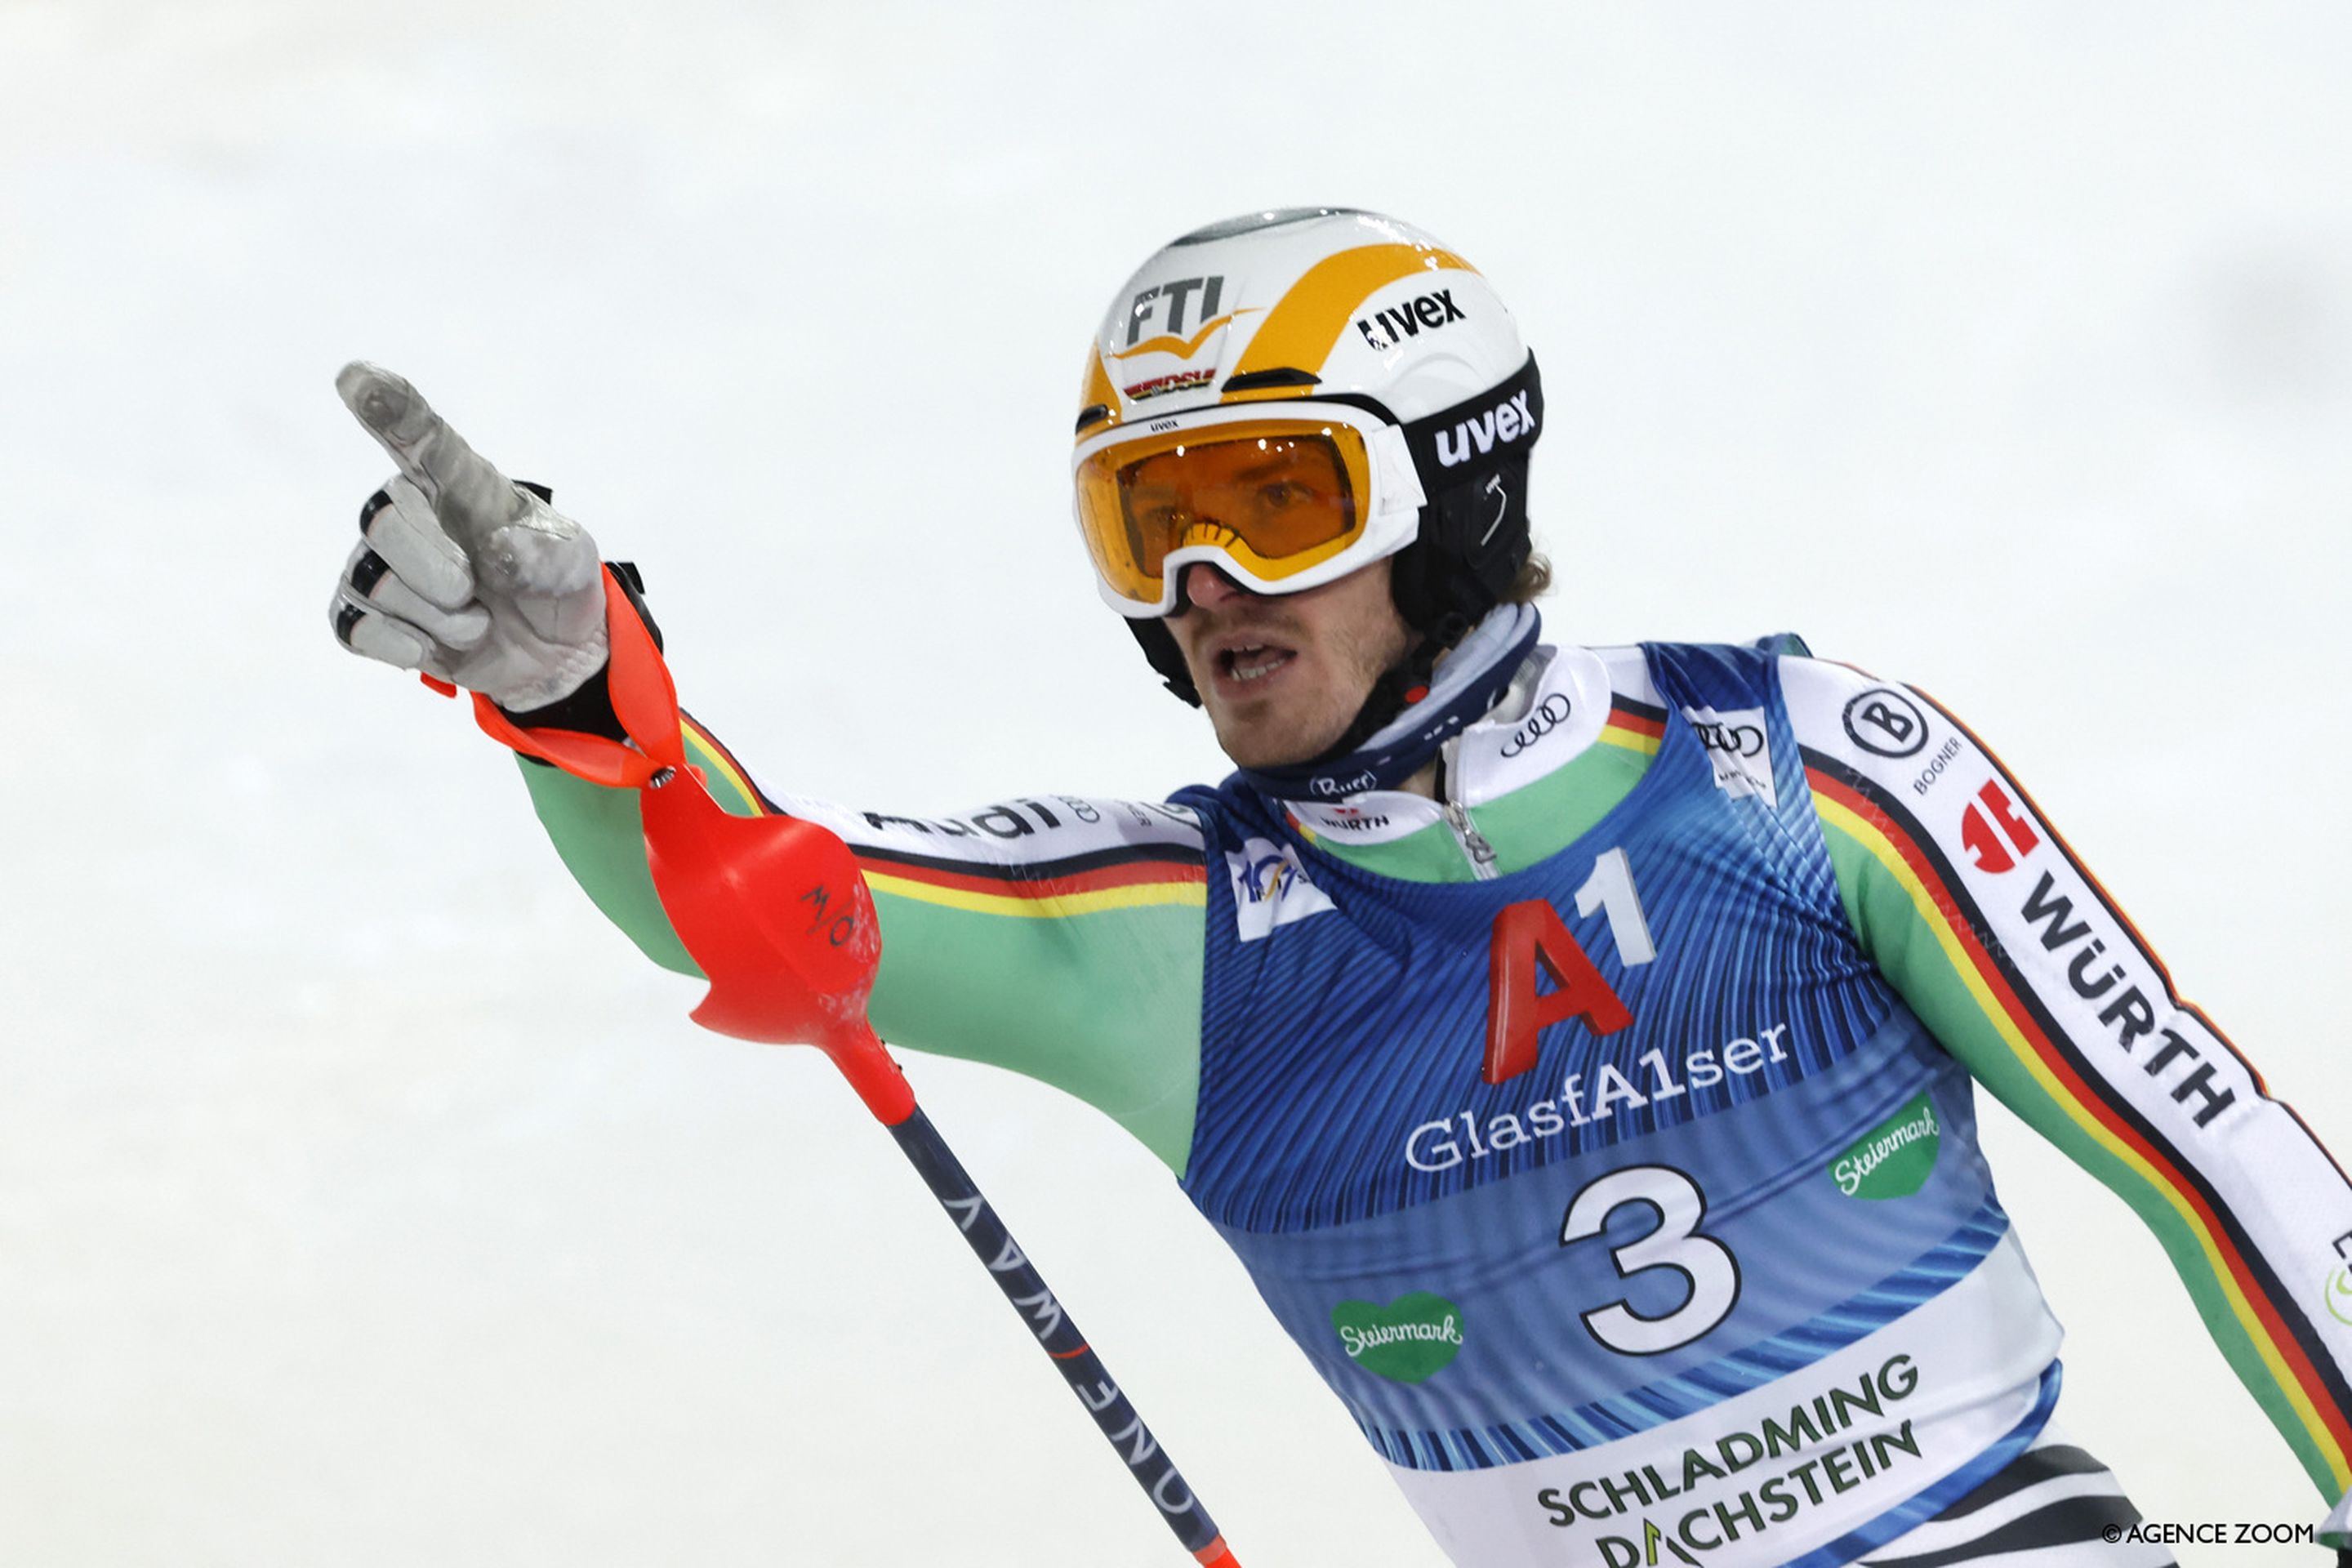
{"x": 364, "y": 1199}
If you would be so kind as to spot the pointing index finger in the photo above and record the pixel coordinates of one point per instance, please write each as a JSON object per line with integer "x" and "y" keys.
{"x": 470, "y": 496}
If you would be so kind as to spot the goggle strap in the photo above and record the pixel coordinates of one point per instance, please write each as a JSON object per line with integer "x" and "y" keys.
{"x": 1479, "y": 434}
{"x": 1399, "y": 479}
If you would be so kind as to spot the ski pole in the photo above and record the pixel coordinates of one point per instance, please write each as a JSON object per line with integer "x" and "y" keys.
{"x": 1057, "y": 1334}
{"x": 778, "y": 915}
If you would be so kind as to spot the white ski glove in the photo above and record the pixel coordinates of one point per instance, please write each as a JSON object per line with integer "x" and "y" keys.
{"x": 460, "y": 573}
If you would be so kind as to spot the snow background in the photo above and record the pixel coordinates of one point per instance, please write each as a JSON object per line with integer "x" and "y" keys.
{"x": 365, "y": 1200}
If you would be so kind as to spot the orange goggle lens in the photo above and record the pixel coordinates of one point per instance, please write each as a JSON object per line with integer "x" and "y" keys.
{"x": 1276, "y": 496}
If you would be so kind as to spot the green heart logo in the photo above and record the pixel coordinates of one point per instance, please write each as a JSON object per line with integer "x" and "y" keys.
{"x": 1893, "y": 1159}
{"x": 1408, "y": 1340}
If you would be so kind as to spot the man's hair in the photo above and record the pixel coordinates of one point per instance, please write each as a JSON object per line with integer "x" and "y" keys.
{"x": 1533, "y": 582}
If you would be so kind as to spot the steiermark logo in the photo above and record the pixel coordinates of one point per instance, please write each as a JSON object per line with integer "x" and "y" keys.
{"x": 1893, "y": 1159}
{"x": 1408, "y": 1340}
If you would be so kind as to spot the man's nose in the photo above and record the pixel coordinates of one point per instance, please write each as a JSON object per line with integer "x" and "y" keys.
{"x": 1208, "y": 587}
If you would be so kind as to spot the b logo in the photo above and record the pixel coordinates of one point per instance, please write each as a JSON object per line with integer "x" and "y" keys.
{"x": 1885, "y": 723}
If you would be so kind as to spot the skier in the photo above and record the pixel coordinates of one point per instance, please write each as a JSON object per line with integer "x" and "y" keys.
{"x": 1575, "y": 1044}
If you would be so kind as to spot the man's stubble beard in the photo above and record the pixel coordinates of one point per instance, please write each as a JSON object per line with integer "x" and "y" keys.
{"x": 1301, "y": 727}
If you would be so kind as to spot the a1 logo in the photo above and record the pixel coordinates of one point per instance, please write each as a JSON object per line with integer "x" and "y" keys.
{"x": 1530, "y": 938}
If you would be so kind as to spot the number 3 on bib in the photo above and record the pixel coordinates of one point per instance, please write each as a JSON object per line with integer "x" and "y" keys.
{"x": 1707, "y": 1266}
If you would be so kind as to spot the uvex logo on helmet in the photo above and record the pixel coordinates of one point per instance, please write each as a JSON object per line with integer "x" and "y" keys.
{"x": 1388, "y": 327}
{"x": 1277, "y": 315}
{"x": 1484, "y": 431}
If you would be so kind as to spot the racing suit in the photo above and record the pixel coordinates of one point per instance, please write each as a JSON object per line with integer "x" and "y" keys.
{"x": 1602, "y": 1130}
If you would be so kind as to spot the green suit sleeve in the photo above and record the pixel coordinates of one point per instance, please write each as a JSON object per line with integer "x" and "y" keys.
{"x": 2022, "y": 967}
{"x": 1083, "y": 980}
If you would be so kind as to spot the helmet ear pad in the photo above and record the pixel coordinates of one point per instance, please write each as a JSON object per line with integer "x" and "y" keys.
{"x": 1473, "y": 541}
{"x": 1158, "y": 645}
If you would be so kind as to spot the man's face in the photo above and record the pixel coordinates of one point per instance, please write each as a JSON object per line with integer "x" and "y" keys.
{"x": 1283, "y": 677}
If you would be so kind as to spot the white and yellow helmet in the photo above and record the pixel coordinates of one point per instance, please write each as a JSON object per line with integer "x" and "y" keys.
{"x": 1361, "y": 346}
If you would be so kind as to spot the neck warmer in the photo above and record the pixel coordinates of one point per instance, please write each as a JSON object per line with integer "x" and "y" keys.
{"x": 1465, "y": 685}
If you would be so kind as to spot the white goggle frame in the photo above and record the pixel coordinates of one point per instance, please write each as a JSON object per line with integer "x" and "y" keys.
{"x": 1392, "y": 511}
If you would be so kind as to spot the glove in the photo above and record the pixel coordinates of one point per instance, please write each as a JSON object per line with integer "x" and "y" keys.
{"x": 459, "y": 572}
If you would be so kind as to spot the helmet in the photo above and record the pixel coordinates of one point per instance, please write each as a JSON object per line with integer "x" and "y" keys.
{"x": 1371, "y": 370}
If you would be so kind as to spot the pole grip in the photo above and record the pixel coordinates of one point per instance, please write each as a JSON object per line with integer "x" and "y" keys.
{"x": 872, "y": 1071}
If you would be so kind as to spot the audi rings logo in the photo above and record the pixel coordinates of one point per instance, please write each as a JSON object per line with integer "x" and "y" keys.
{"x": 1733, "y": 740}
{"x": 1886, "y": 724}
{"x": 1549, "y": 715}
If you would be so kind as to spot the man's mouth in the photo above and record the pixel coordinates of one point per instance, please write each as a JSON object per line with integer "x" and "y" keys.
{"x": 1253, "y": 662}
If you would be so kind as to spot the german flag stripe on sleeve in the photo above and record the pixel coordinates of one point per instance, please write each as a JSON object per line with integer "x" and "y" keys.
{"x": 2307, "y": 1380}
{"x": 1073, "y": 885}
{"x": 1048, "y": 901}
{"x": 2131, "y": 930}
{"x": 1635, "y": 726}
{"x": 1028, "y": 859}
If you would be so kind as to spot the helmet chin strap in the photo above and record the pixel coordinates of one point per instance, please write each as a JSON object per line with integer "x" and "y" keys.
{"x": 1413, "y": 709}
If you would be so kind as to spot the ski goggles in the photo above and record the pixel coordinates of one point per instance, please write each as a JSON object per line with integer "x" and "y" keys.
{"x": 1280, "y": 503}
